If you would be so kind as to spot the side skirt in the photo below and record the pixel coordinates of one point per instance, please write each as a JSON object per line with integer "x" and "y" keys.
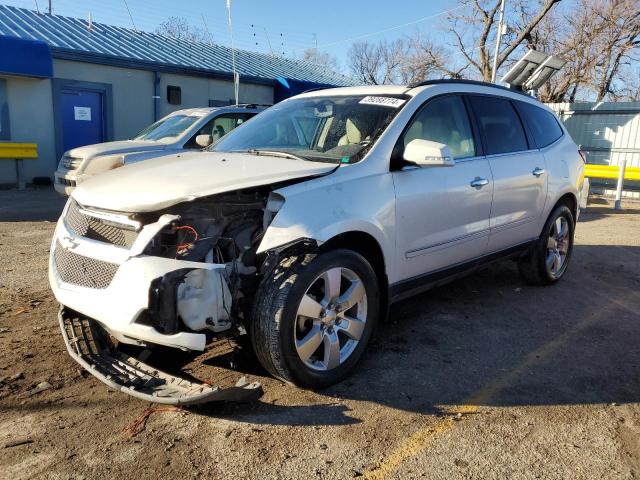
{"x": 412, "y": 286}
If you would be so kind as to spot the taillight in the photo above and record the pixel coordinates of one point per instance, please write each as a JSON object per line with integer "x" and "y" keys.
{"x": 583, "y": 155}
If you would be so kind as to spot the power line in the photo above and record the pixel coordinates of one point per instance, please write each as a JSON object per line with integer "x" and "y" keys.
{"x": 389, "y": 29}
{"x": 130, "y": 16}
{"x": 211, "y": 39}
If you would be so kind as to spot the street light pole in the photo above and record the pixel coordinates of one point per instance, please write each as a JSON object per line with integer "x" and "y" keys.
{"x": 498, "y": 38}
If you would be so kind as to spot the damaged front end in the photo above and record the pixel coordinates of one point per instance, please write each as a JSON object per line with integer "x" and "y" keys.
{"x": 181, "y": 277}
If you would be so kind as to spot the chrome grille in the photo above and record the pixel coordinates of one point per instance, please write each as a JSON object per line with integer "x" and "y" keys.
{"x": 83, "y": 271}
{"x": 98, "y": 229}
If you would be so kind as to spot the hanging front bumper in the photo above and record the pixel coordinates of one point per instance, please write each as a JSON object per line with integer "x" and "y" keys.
{"x": 89, "y": 345}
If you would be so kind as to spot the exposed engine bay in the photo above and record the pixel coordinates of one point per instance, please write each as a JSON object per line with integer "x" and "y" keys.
{"x": 224, "y": 230}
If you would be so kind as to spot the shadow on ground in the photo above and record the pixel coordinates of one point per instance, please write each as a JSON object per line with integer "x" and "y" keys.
{"x": 571, "y": 343}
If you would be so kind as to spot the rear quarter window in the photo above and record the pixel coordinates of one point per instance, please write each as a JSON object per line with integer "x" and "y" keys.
{"x": 499, "y": 124}
{"x": 542, "y": 124}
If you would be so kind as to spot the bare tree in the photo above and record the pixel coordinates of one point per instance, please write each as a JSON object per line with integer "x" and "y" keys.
{"x": 429, "y": 60}
{"x": 620, "y": 39}
{"x": 381, "y": 63}
{"x": 471, "y": 35}
{"x": 475, "y": 28}
{"x": 179, "y": 28}
{"x": 324, "y": 59}
{"x": 600, "y": 39}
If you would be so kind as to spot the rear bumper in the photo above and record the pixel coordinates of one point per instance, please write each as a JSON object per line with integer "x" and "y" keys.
{"x": 89, "y": 345}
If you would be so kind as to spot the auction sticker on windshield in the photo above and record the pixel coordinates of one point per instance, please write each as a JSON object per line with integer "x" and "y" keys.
{"x": 384, "y": 101}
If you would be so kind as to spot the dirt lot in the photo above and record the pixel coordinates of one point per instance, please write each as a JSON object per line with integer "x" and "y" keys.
{"x": 483, "y": 378}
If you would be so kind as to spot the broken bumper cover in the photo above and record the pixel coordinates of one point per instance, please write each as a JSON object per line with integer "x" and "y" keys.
{"x": 90, "y": 346}
{"x": 119, "y": 303}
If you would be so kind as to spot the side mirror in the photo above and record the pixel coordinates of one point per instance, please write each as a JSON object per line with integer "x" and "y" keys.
{"x": 426, "y": 153}
{"x": 204, "y": 140}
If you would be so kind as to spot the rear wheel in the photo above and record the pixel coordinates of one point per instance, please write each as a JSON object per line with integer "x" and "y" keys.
{"x": 549, "y": 258}
{"x": 314, "y": 315}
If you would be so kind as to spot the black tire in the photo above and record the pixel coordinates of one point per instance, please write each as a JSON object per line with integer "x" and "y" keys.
{"x": 533, "y": 267}
{"x": 275, "y": 315}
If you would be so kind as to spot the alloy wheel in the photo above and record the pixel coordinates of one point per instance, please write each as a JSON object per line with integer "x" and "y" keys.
{"x": 331, "y": 319}
{"x": 558, "y": 247}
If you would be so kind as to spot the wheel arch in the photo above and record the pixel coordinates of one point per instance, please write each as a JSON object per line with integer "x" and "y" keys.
{"x": 570, "y": 200}
{"x": 368, "y": 246}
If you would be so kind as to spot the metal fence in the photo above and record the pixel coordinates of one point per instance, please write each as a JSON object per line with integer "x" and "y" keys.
{"x": 609, "y": 133}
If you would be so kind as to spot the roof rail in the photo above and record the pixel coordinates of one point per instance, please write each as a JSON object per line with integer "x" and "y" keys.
{"x": 466, "y": 82}
{"x": 251, "y": 105}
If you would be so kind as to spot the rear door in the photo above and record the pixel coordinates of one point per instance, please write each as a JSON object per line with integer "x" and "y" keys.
{"x": 518, "y": 169}
{"x": 443, "y": 219}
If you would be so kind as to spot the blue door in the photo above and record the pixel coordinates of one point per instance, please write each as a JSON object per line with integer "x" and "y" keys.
{"x": 82, "y": 118}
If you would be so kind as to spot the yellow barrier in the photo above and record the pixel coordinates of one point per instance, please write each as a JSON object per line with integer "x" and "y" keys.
{"x": 19, "y": 152}
{"x": 611, "y": 172}
{"x": 14, "y": 150}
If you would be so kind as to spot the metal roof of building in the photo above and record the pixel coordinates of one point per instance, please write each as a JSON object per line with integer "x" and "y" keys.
{"x": 70, "y": 38}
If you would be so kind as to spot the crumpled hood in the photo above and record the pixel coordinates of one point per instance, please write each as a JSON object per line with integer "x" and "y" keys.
{"x": 161, "y": 182}
{"x": 114, "y": 148}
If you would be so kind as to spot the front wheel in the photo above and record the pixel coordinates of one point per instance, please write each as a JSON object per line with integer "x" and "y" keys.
{"x": 314, "y": 315}
{"x": 549, "y": 258}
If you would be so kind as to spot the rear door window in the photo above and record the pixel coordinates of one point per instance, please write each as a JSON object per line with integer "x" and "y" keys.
{"x": 499, "y": 125}
{"x": 542, "y": 124}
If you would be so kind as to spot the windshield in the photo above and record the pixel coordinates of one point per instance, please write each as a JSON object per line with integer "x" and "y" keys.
{"x": 322, "y": 129}
{"x": 171, "y": 126}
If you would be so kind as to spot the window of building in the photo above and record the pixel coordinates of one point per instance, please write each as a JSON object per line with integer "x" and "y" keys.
{"x": 174, "y": 95}
{"x": 499, "y": 125}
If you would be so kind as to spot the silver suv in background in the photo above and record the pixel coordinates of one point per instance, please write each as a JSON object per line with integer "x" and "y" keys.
{"x": 302, "y": 226}
{"x": 187, "y": 129}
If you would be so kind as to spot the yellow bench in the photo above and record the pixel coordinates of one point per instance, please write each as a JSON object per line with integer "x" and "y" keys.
{"x": 19, "y": 151}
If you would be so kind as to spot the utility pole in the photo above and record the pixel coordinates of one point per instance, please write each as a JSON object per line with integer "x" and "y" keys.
{"x": 498, "y": 38}
{"x": 236, "y": 77}
{"x": 50, "y": 7}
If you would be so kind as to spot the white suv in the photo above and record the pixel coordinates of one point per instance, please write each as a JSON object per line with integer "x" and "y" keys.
{"x": 301, "y": 227}
{"x": 187, "y": 129}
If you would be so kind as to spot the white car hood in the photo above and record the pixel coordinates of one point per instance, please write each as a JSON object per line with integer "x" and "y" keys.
{"x": 161, "y": 182}
{"x": 113, "y": 148}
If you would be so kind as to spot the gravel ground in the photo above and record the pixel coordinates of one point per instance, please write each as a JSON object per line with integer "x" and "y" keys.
{"x": 483, "y": 378}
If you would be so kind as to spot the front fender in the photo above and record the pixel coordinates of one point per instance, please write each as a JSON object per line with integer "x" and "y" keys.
{"x": 329, "y": 206}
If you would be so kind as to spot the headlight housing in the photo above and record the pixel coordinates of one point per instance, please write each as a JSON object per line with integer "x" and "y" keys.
{"x": 103, "y": 163}
{"x": 70, "y": 162}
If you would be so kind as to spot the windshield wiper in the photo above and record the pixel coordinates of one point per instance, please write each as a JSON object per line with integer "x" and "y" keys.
{"x": 273, "y": 153}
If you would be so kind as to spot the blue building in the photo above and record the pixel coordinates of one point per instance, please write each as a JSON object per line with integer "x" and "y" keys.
{"x": 52, "y": 67}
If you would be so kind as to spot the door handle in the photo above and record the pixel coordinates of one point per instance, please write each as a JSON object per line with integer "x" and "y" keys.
{"x": 479, "y": 182}
{"x": 538, "y": 171}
